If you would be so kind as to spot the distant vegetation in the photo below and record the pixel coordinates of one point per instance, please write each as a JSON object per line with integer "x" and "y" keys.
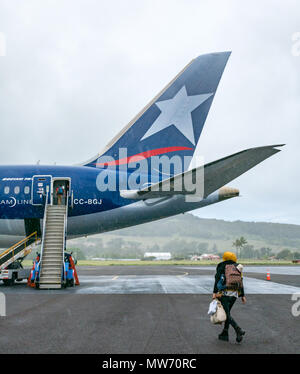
{"x": 187, "y": 235}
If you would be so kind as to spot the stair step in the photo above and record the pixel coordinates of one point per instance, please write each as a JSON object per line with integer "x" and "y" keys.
{"x": 54, "y": 244}
{"x": 52, "y": 266}
{"x": 56, "y": 210}
{"x": 50, "y": 286}
{"x": 60, "y": 215}
{"x": 53, "y": 250}
{"x": 56, "y": 213}
{"x": 54, "y": 229}
{"x": 54, "y": 226}
{"x": 54, "y": 232}
{"x": 50, "y": 276}
{"x": 52, "y": 253}
{"x": 52, "y": 240}
{"x": 52, "y": 220}
{"x": 55, "y": 255}
{"x": 53, "y": 215}
{"x": 55, "y": 218}
{"x": 54, "y": 235}
{"x": 53, "y": 263}
{"x": 53, "y": 275}
{"x": 50, "y": 279}
{"x": 53, "y": 247}
{"x": 57, "y": 248}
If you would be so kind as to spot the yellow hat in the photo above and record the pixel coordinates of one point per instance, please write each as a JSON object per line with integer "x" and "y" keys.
{"x": 229, "y": 256}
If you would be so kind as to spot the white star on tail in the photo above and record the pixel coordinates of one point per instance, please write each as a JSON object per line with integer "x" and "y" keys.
{"x": 177, "y": 112}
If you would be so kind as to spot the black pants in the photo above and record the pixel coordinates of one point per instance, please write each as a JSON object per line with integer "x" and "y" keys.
{"x": 227, "y": 302}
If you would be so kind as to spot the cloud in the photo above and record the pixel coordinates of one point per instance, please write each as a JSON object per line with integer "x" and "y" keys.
{"x": 76, "y": 72}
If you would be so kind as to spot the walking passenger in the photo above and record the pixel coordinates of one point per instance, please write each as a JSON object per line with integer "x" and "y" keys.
{"x": 228, "y": 287}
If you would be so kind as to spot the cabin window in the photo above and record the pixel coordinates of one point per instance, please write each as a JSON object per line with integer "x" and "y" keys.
{"x": 6, "y": 190}
{"x": 17, "y": 190}
{"x": 26, "y": 190}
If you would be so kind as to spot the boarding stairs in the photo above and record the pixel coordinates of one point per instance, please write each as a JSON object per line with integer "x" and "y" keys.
{"x": 19, "y": 250}
{"x": 53, "y": 247}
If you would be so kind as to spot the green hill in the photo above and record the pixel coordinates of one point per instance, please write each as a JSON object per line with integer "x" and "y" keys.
{"x": 187, "y": 234}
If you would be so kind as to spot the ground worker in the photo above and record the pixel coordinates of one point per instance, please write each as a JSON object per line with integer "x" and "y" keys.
{"x": 228, "y": 290}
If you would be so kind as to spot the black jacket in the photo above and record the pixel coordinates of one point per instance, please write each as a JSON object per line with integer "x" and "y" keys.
{"x": 221, "y": 270}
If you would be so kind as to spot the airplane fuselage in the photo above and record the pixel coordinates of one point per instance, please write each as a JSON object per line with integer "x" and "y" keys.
{"x": 19, "y": 190}
{"x": 23, "y": 192}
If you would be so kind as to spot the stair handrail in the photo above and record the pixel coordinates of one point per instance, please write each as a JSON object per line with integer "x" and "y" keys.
{"x": 18, "y": 244}
{"x": 44, "y": 229}
{"x": 65, "y": 236}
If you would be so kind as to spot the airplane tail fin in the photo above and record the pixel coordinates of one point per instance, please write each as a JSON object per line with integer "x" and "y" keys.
{"x": 171, "y": 124}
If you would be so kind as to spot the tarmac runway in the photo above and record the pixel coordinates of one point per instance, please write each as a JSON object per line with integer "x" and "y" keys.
{"x": 150, "y": 309}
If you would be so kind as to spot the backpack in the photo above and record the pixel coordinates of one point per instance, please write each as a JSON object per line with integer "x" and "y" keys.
{"x": 233, "y": 277}
{"x": 60, "y": 190}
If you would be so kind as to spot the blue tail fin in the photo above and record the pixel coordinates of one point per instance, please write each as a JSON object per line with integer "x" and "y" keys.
{"x": 172, "y": 122}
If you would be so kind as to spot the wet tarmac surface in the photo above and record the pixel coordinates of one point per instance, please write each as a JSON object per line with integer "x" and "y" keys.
{"x": 150, "y": 309}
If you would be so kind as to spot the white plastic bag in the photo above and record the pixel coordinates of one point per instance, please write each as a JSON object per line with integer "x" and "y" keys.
{"x": 212, "y": 307}
{"x": 220, "y": 315}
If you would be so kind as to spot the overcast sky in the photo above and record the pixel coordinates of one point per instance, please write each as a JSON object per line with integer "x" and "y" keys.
{"x": 77, "y": 71}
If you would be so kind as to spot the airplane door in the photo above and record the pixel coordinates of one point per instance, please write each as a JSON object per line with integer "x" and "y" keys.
{"x": 41, "y": 184}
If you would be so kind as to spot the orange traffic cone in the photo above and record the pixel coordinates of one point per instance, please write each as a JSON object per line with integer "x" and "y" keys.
{"x": 268, "y": 275}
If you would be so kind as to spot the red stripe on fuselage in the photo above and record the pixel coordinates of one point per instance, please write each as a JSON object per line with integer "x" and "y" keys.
{"x": 143, "y": 155}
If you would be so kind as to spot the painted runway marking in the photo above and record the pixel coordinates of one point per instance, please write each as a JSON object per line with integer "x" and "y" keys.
{"x": 156, "y": 284}
{"x": 283, "y": 270}
{"x": 184, "y": 284}
{"x": 182, "y": 275}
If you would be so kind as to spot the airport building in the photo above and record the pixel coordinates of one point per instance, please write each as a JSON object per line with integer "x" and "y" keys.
{"x": 158, "y": 255}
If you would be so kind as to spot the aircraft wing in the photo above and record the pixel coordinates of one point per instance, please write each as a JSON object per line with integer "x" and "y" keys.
{"x": 215, "y": 175}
